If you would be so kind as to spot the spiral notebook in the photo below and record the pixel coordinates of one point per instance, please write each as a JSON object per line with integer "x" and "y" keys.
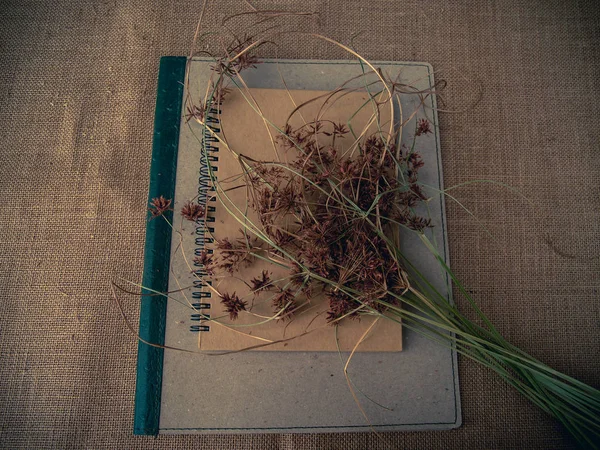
{"x": 296, "y": 385}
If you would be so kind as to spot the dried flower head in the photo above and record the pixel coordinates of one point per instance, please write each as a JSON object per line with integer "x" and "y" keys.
{"x": 423, "y": 127}
{"x": 285, "y": 138}
{"x": 340, "y": 305}
{"x": 159, "y": 205}
{"x": 232, "y": 254}
{"x": 284, "y": 303}
{"x": 233, "y": 304}
{"x": 418, "y": 223}
{"x": 219, "y": 91}
{"x": 246, "y": 61}
{"x": 261, "y": 283}
{"x": 340, "y": 129}
{"x": 205, "y": 260}
{"x": 192, "y": 211}
{"x": 195, "y": 112}
{"x": 297, "y": 275}
{"x": 226, "y": 66}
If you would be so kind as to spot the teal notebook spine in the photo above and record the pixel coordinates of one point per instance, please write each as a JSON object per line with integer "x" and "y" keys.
{"x": 157, "y": 251}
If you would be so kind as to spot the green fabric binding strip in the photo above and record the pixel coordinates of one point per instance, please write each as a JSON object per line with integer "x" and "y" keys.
{"x": 157, "y": 253}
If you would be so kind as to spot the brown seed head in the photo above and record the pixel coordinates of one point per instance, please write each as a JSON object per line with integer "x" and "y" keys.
{"x": 261, "y": 283}
{"x": 233, "y": 305}
{"x": 192, "y": 211}
{"x": 283, "y": 304}
{"x": 423, "y": 127}
{"x": 159, "y": 205}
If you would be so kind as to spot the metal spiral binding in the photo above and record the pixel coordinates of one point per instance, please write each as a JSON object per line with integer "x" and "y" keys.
{"x": 205, "y": 196}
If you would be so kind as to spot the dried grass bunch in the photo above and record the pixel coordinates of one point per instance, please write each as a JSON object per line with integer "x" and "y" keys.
{"x": 318, "y": 211}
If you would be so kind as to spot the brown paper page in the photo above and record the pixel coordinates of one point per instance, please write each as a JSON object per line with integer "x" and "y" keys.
{"x": 247, "y": 133}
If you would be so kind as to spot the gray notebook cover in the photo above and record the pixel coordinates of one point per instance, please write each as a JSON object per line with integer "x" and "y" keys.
{"x": 307, "y": 391}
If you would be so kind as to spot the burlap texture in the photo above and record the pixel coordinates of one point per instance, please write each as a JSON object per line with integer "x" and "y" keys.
{"x": 77, "y": 92}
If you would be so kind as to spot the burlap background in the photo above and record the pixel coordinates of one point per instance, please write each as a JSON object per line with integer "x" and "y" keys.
{"x": 77, "y": 92}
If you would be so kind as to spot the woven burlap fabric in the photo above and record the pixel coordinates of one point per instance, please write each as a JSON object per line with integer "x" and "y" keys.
{"x": 77, "y": 92}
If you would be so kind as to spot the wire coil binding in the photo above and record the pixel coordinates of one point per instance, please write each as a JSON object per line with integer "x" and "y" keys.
{"x": 208, "y": 156}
